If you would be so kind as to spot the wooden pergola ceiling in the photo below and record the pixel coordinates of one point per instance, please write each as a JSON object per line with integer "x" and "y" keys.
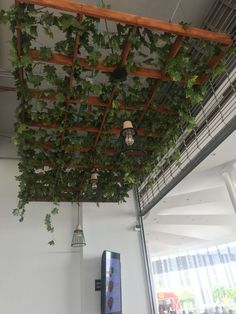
{"x": 140, "y": 110}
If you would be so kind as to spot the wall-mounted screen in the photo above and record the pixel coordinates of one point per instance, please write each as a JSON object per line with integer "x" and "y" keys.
{"x": 111, "y": 301}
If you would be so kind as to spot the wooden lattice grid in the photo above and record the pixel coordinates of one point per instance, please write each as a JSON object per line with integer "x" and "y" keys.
{"x": 139, "y": 111}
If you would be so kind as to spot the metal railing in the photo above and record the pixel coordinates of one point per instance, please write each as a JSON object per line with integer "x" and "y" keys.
{"x": 215, "y": 118}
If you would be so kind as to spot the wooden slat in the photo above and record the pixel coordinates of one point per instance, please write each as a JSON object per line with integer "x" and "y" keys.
{"x": 176, "y": 47}
{"x": 90, "y": 100}
{"x": 106, "y": 151}
{"x": 71, "y": 78}
{"x": 65, "y": 60}
{"x": 127, "y": 47}
{"x": 114, "y": 89}
{"x": 139, "y": 21}
{"x": 213, "y": 62}
{"x": 49, "y": 146}
{"x": 124, "y": 56}
{"x": 74, "y": 166}
{"x": 149, "y": 101}
{"x": 20, "y": 70}
{"x": 91, "y": 129}
{"x": 95, "y": 101}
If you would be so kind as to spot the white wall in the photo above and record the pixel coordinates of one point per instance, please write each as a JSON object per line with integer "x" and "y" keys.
{"x": 36, "y": 278}
{"x": 110, "y": 227}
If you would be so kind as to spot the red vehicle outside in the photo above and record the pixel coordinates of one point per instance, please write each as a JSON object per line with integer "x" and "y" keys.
{"x": 168, "y": 303}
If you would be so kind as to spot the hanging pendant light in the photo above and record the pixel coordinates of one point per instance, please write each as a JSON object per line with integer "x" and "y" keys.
{"x": 128, "y": 132}
{"x": 78, "y": 239}
{"x": 94, "y": 180}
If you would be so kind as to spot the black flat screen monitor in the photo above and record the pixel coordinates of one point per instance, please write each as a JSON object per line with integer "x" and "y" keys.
{"x": 111, "y": 301}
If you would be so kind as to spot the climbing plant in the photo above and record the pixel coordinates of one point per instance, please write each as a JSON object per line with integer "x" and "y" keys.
{"x": 71, "y": 107}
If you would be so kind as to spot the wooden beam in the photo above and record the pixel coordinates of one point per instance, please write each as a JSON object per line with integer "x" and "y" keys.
{"x": 213, "y": 62}
{"x": 106, "y": 151}
{"x": 91, "y": 129}
{"x": 114, "y": 89}
{"x": 127, "y": 47}
{"x": 65, "y": 60}
{"x": 126, "y": 18}
{"x": 74, "y": 166}
{"x": 90, "y": 100}
{"x": 71, "y": 78}
{"x": 124, "y": 56}
{"x": 95, "y": 101}
{"x": 149, "y": 101}
{"x": 49, "y": 146}
{"x": 175, "y": 48}
{"x": 20, "y": 70}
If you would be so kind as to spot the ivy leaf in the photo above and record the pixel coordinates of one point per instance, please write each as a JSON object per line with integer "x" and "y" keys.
{"x": 115, "y": 104}
{"x": 51, "y": 75}
{"x": 68, "y": 20}
{"x": 36, "y": 80}
{"x": 40, "y": 105}
{"x": 148, "y": 61}
{"x": 191, "y": 81}
{"x": 185, "y": 25}
{"x": 14, "y": 58}
{"x": 55, "y": 211}
{"x": 25, "y": 61}
{"x": 16, "y": 212}
{"x": 120, "y": 29}
{"x": 112, "y": 59}
{"x": 33, "y": 30}
{"x": 60, "y": 98}
{"x": 48, "y": 19}
{"x": 130, "y": 64}
{"x": 96, "y": 89}
{"x": 94, "y": 57}
{"x": 21, "y": 128}
{"x": 45, "y": 53}
{"x": 114, "y": 42}
{"x": 106, "y": 6}
{"x": 47, "y": 31}
{"x": 4, "y": 17}
{"x": 48, "y": 223}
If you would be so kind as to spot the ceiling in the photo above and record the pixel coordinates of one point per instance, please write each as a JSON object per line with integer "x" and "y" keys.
{"x": 197, "y": 212}
{"x": 91, "y": 136}
{"x": 188, "y": 11}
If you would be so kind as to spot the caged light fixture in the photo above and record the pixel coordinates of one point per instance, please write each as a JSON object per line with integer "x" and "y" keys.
{"x": 78, "y": 239}
{"x": 128, "y": 132}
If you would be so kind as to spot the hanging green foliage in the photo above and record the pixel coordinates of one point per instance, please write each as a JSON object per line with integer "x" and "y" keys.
{"x": 57, "y": 155}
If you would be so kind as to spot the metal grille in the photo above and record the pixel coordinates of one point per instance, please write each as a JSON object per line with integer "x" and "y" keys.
{"x": 215, "y": 118}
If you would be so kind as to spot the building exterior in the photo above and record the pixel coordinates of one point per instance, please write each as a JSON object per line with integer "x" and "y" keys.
{"x": 200, "y": 278}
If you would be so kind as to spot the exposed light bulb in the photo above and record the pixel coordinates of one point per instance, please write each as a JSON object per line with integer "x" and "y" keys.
{"x": 129, "y": 139}
{"x": 94, "y": 180}
{"x": 128, "y": 132}
{"x": 94, "y": 185}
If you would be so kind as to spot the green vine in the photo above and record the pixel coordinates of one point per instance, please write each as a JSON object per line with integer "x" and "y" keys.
{"x": 44, "y": 171}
